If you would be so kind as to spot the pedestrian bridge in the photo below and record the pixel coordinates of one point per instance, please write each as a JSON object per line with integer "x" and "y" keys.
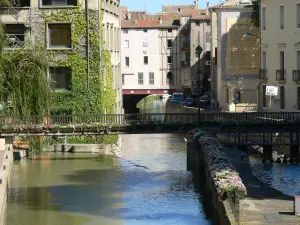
{"x": 97, "y": 124}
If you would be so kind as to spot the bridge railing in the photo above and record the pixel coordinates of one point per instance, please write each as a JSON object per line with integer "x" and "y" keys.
{"x": 158, "y": 118}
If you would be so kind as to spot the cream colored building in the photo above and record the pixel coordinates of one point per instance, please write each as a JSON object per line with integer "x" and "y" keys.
{"x": 235, "y": 57}
{"x": 280, "y": 54}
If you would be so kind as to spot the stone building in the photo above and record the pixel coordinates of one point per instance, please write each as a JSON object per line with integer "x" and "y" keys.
{"x": 280, "y": 55}
{"x": 235, "y": 55}
{"x": 84, "y": 61}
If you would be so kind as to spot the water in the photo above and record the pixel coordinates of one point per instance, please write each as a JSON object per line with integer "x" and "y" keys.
{"x": 148, "y": 185}
{"x": 283, "y": 177}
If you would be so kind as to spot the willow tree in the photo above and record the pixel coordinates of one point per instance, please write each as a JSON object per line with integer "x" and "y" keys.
{"x": 24, "y": 81}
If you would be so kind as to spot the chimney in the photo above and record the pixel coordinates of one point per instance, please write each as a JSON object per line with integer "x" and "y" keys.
{"x": 160, "y": 20}
{"x": 135, "y": 21}
{"x": 128, "y": 16}
{"x": 196, "y": 3}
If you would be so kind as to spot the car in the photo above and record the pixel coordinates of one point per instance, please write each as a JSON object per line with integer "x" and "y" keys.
{"x": 188, "y": 102}
{"x": 205, "y": 98}
{"x": 177, "y": 98}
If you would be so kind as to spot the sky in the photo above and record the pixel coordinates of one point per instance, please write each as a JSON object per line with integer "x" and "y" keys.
{"x": 154, "y": 6}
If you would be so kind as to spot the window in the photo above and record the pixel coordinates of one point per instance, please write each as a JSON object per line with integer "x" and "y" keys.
{"x": 264, "y": 60}
{"x": 58, "y": 3}
{"x": 60, "y": 78}
{"x": 125, "y": 31}
{"x": 263, "y": 18}
{"x": 14, "y": 35}
{"x": 145, "y": 30}
{"x": 264, "y": 97}
{"x": 282, "y": 98}
{"x": 298, "y": 15}
{"x": 140, "y": 79}
{"x": 170, "y": 78}
{"x": 281, "y": 11}
{"x": 169, "y": 43}
{"x": 197, "y": 23}
{"x": 127, "y": 61}
{"x": 145, "y": 44}
{"x": 126, "y": 43}
{"x": 178, "y": 10}
{"x": 281, "y": 60}
{"x": 59, "y": 35}
{"x": 216, "y": 56}
{"x": 187, "y": 56}
{"x": 145, "y": 60}
{"x": 298, "y": 97}
{"x": 151, "y": 78}
{"x": 21, "y": 3}
{"x": 208, "y": 23}
{"x": 298, "y": 60}
{"x": 170, "y": 30}
{"x": 169, "y": 59}
{"x": 123, "y": 79}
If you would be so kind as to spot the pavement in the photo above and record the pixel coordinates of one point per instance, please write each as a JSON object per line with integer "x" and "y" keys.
{"x": 263, "y": 204}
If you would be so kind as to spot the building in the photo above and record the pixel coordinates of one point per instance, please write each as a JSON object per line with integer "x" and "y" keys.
{"x": 85, "y": 66}
{"x": 173, "y": 36}
{"x": 280, "y": 55}
{"x": 235, "y": 57}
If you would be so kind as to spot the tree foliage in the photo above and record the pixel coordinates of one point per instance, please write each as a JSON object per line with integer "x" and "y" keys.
{"x": 24, "y": 81}
{"x": 255, "y": 13}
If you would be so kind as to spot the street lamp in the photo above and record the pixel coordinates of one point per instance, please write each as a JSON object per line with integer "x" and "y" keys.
{"x": 198, "y": 51}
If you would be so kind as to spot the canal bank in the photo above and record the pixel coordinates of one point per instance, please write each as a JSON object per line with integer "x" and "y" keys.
{"x": 262, "y": 204}
{"x": 6, "y": 161}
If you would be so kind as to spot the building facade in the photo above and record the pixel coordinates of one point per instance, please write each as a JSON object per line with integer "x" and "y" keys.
{"x": 84, "y": 61}
{"x": 140, "y": 56}
{"x": 236, "y": 57}
{"x": 280, "y": 55}
{"x": 179, "y": 30}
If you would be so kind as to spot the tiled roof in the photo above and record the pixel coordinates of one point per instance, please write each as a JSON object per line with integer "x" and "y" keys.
{"x": 140, "y": 23}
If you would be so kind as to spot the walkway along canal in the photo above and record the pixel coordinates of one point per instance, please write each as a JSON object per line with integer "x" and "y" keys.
{"x": 147, "y": 184}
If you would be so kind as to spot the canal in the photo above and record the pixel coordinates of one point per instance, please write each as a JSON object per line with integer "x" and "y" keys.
{"x": 147, "y": 184}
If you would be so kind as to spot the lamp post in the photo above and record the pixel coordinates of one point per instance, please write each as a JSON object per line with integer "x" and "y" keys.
{"x": 198, "y": 51}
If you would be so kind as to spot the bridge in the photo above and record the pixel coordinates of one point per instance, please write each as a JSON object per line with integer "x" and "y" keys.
{"x": 98, "y": 124}
{"x": 131, "y": 97}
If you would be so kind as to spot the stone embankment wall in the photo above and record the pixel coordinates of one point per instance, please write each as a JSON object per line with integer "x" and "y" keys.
{"x": 224, "y": 187}
{"x": 6, "y": 160}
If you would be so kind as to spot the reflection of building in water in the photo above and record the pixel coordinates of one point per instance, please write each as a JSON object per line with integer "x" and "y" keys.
{"x": 235, "y": 56}
{"x": 280, "y": 54}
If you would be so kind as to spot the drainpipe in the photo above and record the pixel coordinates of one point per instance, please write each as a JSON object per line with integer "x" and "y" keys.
{"x": 87, "y": 52}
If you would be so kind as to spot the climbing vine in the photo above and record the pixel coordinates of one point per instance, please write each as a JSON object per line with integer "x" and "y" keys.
{"x": 255, "y": 13}
{"x": 93, "y": 95}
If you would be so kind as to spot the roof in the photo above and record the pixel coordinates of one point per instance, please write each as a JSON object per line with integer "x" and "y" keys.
{"x": 140, "y": 23}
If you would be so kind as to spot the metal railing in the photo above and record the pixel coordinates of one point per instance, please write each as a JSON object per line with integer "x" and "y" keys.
{"x": 14, "y": 40}
{"x": 296, "y": 75}
{"x": 267, "y": 118}
{"x": 263, "y": 74}
{"x": 280, "y": 75}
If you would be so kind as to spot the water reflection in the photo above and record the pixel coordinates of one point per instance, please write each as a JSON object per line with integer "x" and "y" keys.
{"x": 283, "y": 177}
{"x": 149, "y": 185}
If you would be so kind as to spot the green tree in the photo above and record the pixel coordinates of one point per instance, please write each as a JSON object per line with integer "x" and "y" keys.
{"x": 255, "y": 13}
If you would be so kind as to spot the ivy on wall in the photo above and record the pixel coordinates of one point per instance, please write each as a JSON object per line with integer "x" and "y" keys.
{"x": 255, "y": 13}
{"x": 100, "y": 91}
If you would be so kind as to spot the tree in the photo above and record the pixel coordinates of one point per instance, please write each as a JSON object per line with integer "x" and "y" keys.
{"x": 255, "y": 13}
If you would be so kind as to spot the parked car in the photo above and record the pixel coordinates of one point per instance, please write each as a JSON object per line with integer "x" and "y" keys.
{"x": 177, "y": 98}
{"x": 188, "y": 102}
{"x": 205, "y": 98}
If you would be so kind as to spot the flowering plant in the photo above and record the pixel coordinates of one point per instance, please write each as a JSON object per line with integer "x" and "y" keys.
{"x": 225, "y": 177}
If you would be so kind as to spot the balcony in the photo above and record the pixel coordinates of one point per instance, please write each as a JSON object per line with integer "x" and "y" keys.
{"x": 263, "y": 74}
{"x": 14, "y": 40}
{"x": 14, "y": 35}
{"x": 296, "y": 76}
{"x": 185, "y": 64}
{"x": 280, "y": 75}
